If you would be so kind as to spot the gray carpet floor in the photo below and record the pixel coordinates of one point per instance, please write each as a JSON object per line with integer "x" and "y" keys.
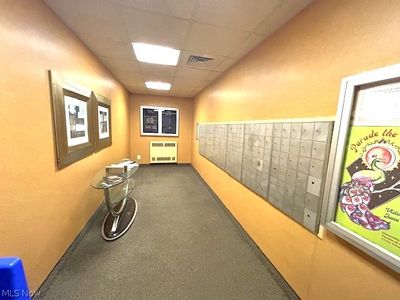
{"x": 183, "y": 245}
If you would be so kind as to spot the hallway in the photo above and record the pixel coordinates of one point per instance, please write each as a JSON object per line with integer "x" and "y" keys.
{"x": 183, "y": 245}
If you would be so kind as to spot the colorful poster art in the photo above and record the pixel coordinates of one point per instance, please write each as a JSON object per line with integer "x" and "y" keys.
{"x": 369, "y": 197}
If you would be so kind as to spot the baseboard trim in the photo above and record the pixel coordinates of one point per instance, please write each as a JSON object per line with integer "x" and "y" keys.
{"x": 47, "y": 283}
{"x": 164, "y": 164}
{"x": 279, "y": 279}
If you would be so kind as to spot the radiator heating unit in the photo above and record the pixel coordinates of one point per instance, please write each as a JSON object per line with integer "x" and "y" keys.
{"x": 163, "y": 152}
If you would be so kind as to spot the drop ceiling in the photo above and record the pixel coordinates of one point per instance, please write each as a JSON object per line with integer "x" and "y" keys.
{"x": 224, "y": 30}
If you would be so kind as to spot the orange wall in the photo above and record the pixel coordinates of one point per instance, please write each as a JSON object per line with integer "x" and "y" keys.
{"x": 296, "y": 73}
{"x": 42, "y": 209}
{"x": 140, "y": 144}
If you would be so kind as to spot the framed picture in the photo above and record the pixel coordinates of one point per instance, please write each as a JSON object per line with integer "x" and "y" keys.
{"x": 363, "y": 194}
{"x": 72, "y": 118}
{"x": 149, "y": 117}
{"x": 169, "y": 121}
{"x": 159, "y": 121}
{"x": 102, "y": 121}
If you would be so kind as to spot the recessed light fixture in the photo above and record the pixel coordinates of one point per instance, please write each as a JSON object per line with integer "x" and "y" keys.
{"x": 156, "y": 85}
{"x": 156, "y": 54}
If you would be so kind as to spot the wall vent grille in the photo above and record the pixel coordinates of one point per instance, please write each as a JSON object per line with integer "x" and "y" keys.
{"x": 158, "y": 144}
{"x": 164, "y": 158}
{"x": 196, "y": 60}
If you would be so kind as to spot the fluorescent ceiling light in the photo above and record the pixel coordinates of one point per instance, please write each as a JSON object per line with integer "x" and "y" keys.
{"x": 156, "y": 54}
{"x": 156, "y": 85}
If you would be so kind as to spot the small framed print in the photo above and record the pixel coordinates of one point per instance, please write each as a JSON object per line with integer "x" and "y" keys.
{"x": 149, "y": 120}
{"x": 73, "y": 120}
{"x": 102, "y": 121}
{"x": 76, "y": 115}
{"x": 169, "y": 118}
{"x": 363, "y": 182}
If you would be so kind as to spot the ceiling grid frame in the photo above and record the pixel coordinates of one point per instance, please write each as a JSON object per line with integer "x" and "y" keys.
{"x": 228, "y": 29}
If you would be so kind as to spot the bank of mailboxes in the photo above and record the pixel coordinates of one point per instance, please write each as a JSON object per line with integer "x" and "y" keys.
{"x": 285, "y": 163}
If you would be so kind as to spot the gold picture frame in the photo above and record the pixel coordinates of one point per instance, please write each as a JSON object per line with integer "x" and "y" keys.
{"x": 102, "y": 121}
{"x": 72, "y": 120}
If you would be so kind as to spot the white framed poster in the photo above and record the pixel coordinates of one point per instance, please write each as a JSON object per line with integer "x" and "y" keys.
{"x": 159, "y": 121}
{"x": 104, "y": 122}
{"x": 363, "y": 204}
{"x": 76, "y": 115}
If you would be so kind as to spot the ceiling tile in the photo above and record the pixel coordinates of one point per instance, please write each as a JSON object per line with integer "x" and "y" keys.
{"x": 129, "y": 78}
{"x": 136, "y": 90}
{"x": 179, "y": 87}
{"x": 195, "y": 92}
{"x": 79, "y": 7}
{"x": 81, "y": 16}
{"x": 158, "y": 77}
{"x": 135, "y": 84}
{"x": 154, "y": 69}
{"x": 108, "y": 47}
{"x": 158, "y": 92}
{"x": 281, "y": 15}
{"x": 180, "y": 92}
{"x": 213, "y": 75}
{"x": 203, "y": 84}
{"x": 214, "y": 40}
{"x": 225, "y": 64}
{"x": 252, "y": 41}
{"x": 240, "y": 14}
{"x": 108, "y": 28}
{"x": 186, "y": 84}
{"x": 155, "y": 29}
{"x": 181, "y": 95}
{"x": 190, "y": 73}
{"x": 120, "y": 64}
{"x": 175, "y": 8}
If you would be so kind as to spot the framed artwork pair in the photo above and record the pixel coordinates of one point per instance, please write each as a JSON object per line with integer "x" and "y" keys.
{"x": 159, "y": 121}
{"x": 82, "y": 120}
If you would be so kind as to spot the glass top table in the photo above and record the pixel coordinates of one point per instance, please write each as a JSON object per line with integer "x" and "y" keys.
{"x": 122, "y": 207}
{"x": 104, "y": 180}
